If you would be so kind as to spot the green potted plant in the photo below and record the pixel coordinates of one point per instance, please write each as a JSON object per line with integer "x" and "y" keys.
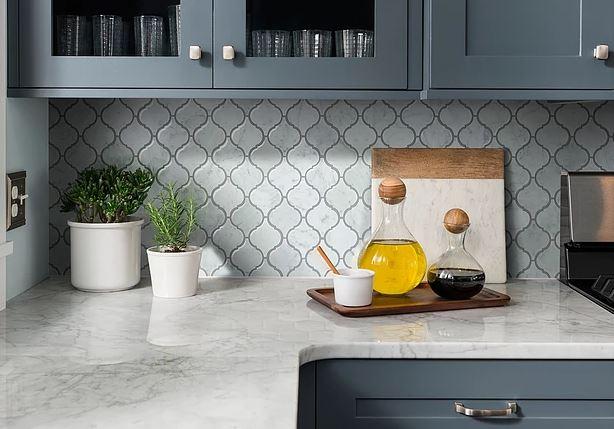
{"x": 105, "y": 239}
{"x": 173, "y": 263}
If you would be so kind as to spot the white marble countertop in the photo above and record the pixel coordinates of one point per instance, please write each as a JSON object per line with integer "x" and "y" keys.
{"x": 229, "y": 357}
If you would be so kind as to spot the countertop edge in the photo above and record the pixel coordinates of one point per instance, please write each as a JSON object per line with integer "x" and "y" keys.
{"x": 458, "y": 350}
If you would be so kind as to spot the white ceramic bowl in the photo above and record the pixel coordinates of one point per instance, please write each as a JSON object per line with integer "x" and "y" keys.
{"x": 353, "y": 288}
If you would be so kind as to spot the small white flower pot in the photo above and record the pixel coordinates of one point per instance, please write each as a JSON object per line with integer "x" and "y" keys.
{"x": 105, "y": 257}
{"x": 174, "y": 275}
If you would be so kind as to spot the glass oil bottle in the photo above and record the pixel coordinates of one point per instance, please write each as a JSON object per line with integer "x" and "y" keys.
{"x": 393, "y": 253}
{"x": 456, "y": 274}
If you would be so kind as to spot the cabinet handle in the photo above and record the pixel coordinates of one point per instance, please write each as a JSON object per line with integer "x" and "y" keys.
{"x": 228, "y": 53}
{"x": 601, "y": 52}
{"x": 512, "y": 407}
{"x": 195, "y": 53}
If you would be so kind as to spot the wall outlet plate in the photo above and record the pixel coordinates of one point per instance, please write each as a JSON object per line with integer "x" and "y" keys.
{"x": 16, "y": 200}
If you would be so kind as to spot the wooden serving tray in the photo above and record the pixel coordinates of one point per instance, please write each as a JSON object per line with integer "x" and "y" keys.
{"x": 420, "y": 300}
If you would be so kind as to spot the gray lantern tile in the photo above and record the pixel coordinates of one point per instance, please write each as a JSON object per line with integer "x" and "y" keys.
{"x": 379, "y": 115}
{"x": 303, "y": 115}
{"x": 274, "y": 178}
{"x": 191, "y": 156}
{"x": 360, "y": 137}
{"x": 494, "y": 115}
{"x": 533, "y": 116}
{"x": 285, "y": 217}
{"x": 456, "y": 116}
{"x": 228, "y": 115}
{"x": 437, "y": 135}
{"x": 174, "y": 136}
{"x": 341, "y": 115}
{"x": 571, "y": 116}
{"x": 266, "y": 237}
{"x": 154, "y": 115}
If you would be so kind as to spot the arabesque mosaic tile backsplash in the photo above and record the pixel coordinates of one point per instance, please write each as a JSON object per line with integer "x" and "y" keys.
{"x": 274, "y": 178}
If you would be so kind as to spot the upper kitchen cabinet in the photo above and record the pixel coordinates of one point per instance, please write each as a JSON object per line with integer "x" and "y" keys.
{"x": 317, "y": 44}
{"x": 115, "y": 43}
{"x": 520, "y": 44}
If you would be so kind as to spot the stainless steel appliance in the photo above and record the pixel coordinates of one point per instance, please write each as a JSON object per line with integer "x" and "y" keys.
{"x": 587, "y": 235}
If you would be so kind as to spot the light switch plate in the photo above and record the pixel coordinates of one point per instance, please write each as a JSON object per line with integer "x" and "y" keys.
{"x": 15, "y": 200}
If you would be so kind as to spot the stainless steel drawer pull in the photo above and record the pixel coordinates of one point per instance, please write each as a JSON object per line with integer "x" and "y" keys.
{"x": 512, "y": 407}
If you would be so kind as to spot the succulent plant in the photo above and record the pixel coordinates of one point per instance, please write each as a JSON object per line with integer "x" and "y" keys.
{"x": 107, "y": 195}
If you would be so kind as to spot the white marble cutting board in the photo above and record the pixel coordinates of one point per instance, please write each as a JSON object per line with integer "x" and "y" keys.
{"x": 429, "y": 198}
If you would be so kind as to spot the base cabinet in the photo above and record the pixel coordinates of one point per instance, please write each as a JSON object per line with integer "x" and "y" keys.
{"x": 422, "y": 394}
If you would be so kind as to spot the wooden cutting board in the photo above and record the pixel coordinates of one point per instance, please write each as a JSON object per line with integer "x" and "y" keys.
{"x": 420, "y": 300}
{"x": 440, "y": 179}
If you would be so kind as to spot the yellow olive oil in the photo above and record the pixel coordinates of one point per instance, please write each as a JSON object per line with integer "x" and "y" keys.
{"x": 399, "y": 265}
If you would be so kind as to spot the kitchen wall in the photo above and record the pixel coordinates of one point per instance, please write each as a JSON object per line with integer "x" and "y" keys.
{"x": 26, "y": 149}
{"x": 274, "y": 178}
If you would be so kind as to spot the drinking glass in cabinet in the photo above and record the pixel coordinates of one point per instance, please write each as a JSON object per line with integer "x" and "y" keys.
{"x": 108, "y": 32}
{"x": 174, "y": 29}
{"x": 354, "y": 43}
{"x": 149, "y": 35}
{"x": 271, "y": 43}
{"x": 73, "y": 35}
{"x": 312, "y": 43}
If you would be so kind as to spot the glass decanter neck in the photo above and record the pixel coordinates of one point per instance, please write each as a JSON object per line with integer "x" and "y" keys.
{"x": 392, "y": 225}
{"x": 456, "y": 241}
{"x": 392, "y": 212}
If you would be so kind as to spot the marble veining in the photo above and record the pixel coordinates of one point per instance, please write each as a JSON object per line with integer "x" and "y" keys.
{"x": 229, "y": 357}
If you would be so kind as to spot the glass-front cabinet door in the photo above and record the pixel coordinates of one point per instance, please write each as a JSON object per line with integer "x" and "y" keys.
{"x": 115, "y": 43}
{"x": 315, "y": 44}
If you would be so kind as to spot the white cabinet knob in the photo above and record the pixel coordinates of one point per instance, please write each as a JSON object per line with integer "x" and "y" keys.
{"x": 228, "y": 53}
{"x": 601, "y": 52}
{"x": 195, "y": 52}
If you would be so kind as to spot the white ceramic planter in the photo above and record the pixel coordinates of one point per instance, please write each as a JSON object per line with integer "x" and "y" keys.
{"x": 105, "y": 257}
{"x": 174, "y": 275}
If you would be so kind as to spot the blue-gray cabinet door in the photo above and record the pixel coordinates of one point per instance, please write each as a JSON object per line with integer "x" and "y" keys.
{"x": 40, "y": 68}
{"x": 520, "y": 44}
{"x": 388, "y": 69}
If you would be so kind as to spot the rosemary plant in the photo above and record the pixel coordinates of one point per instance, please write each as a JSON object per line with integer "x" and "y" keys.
{"x": 174, "y": 219}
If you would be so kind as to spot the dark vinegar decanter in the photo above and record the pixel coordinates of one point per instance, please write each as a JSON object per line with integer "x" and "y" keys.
{"x": 456, "y": 274}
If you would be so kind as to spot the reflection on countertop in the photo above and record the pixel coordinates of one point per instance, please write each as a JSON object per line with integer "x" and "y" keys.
{"x": 229, "y": 357}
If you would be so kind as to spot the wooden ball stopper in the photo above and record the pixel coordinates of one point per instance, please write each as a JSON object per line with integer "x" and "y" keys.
{"x": 456, "y": 221}
{"x": 392, "y": 190}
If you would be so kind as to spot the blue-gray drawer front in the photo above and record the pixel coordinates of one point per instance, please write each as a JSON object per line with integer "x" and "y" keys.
{"x": 404, "y": 394}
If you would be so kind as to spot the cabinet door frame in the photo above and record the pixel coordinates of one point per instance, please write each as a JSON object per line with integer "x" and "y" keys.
{"x": 387, "y": 70}
{"x": 451, "y": 67}
{"x": 39, "y": 68}
{"x": 415, "y": 44}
